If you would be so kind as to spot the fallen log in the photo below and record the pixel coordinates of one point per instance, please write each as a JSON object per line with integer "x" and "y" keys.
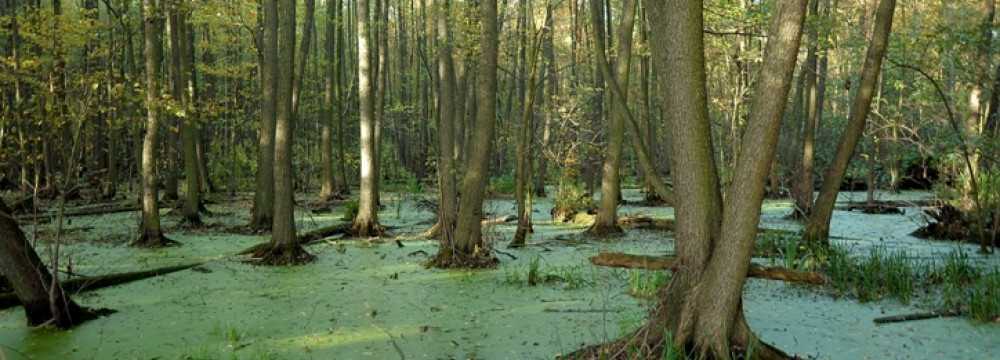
{"x": 90, "y": 283}
{"x": 917, "y": 316}
{"x": 667, "y": 263}
{"x": 499, "y": 220}
{"x": 645, "y": 222}
{"x": 90, "y": 210}
{"x": 306, "y": 238}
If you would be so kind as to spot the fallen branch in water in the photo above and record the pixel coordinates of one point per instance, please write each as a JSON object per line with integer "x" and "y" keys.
{"x": 90, "y": 283}
{"x": 917, "y": 316}
{"x": 667, "y": 263}
{"x": 552, "y": 310}
{"x": 307, "y": 238}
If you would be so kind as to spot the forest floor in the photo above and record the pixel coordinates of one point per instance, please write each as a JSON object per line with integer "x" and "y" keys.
{"x": 375, "y": 300}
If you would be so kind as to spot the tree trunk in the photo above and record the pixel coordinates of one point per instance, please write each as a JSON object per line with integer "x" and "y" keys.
{"x": 522, "y": 191}
{"x": 551, "y": 101}
{"x": 470, "y": 249}
{"x": 607, "y": 214}
{"x": 366, "y": 222}
{"x": 447, "y": 118}
{"x": 183, "y": 94}
{"x": 150, "y": 233}
{"x": 329, "y": 113}
{"x": 818, "y": 225}
{"x": 44, "y": 301}
{"x": 262, "y": 216}
{"x": 804, "y": 198}
{"x": 300, "y": 68}
{"x": 285, "y": 248}
{"x": 701, "y": 309}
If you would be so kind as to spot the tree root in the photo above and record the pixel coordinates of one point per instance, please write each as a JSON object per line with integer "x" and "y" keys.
{"x": 154, "y": 241}
{"x": 366, "y": 229}
{"x": 304, "y": 239}
{"x": 282, "y": 256}
{"x": 447, "y": 258}
{"x": 602, "y": 230}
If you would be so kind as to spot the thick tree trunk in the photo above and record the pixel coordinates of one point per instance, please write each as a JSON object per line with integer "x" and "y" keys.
{"x": 606, "y": 221}
{"x": 469, "y": 248}
{"x": 262, "y": 215}
{"x": 366, "y": 222}
{"x": 43, "y": 298}
{"x": 818, "y": 225}
{"x": 150, "y": 233}
{"x": 285, "y": 248}
{"x": 701, "y": 309}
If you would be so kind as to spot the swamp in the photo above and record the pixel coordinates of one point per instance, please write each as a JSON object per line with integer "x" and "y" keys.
{"x": 523, "y": 179}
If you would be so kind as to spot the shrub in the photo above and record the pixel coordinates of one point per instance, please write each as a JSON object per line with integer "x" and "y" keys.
{"x": 984, "y": 298}
{"x": 570, "y": 199}
{"x": 350, "y": 210}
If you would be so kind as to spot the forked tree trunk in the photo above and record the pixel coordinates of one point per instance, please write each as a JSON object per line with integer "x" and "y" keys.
{"x": 818, "y": 225}
{"x": 262, "y": 215}
{"x": 285, "y": 248}
{"x": 150, "y": 233}
{"x": 469, "y": 248}
{"x": 44, "y": 301}
{"x": 701, "y": 309}
{"x": 366, "y": 222}
{"x": 606, "y": 221}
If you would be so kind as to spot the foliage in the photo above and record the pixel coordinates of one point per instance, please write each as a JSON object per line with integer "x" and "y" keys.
{"x": 350, "y": 210}
{"x": 502, "y": 184}
{"x": 645, "y": 284}
{"x": 984, "y": 298}
{"x": 570, "y": 199}
{"x": 534, "y": 274}
{"x": 784, "y": 247}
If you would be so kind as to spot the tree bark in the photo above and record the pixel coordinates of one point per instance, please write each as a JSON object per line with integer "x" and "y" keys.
{"x": 804, "y": 186}
{"x": 447, "y": 117}
{"x": 469, "y": 248}
{"x": 262, "y": 215}
{"x": 183, "y": 93}
{"x": 150, "y": 233}
{"x": 285, "y": 248}
{"x": 551, "y": 101}
{"x": 329, "y": 113}
{"x": 522, "y": 191}
{"x": 300, "y": 67}
{"x": 606, "y": 221}
{"x": 818, "y": 225}
{"x": 701, "y": 309}
{"x": 45, "y": 302}
{"x": 366, "y": 222}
